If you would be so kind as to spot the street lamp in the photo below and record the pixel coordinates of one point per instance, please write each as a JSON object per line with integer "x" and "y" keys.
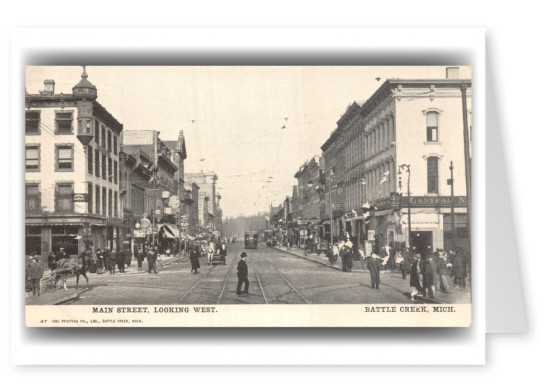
{"x": 330, "y": 178}
{"x": 406, "y": 167}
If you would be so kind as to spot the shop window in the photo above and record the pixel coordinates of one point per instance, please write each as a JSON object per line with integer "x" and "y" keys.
{"x": 32, "y": 196}
{"x": 65, "y": 237}
{"x": 432, "y": 175}
{"x": 64, "y": 157}
{"x": 32, "y": 122}
{"x": 33, "y": 241}
{"x": 64, "y": 122}
{"x": 432, "y": 126}
{"x": 64, "y": 197}
{"x": 32, "y": 158}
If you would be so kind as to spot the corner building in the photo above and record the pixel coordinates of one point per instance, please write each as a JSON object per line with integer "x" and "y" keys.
{"x": 418, "y": 123}
{"x": 71, "y": 171}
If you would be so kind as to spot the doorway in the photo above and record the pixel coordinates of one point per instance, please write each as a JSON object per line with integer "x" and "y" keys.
{"x": 422, "y": 242}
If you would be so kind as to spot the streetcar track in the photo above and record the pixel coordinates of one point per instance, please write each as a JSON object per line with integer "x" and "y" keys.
{"x": 197, "y": 283}
{"x": 226, "y": 281}
{"x": 253, "y": 264}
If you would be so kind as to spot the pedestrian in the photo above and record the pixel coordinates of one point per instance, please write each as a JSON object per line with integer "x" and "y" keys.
{"x": 34, "y": 274}
{"x": 444, "y": 270}
{"x": 194, "y": 258}
{"x": 242, "y": 275}
{"x": 110, "y": 260}
{"x": 210, "y": 252}
{"x": 407, "y": 263}
{"x": 374, "y": 266}
{"x": 415, "y": 278}
{"x": 100, "y": 261}
{"x": 121, "y": 261}
{"x": 391, "y": 256}
{"x": 460, "y": 268}
{"x": 140, "y": 256}
{"x": 51, "y": 261}
{"x": 60, "y": 254}
{"x": 152, "y": 261}
{"x": 429, "y": 274}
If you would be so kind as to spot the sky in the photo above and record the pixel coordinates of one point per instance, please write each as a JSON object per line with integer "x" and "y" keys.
{"x": 253, "y": 126}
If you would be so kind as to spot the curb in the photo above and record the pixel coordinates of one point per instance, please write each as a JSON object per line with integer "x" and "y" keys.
{"x": 319, "y": 262}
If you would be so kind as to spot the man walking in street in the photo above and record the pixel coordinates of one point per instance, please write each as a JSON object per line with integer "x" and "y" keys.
{"x": 210, "y": 252}
{"x": 152, "y": 261}
{"x": 406, "y": 263}
{"x": 374, "y": 266}
{"x": 242, "y": 275}
{"x": 34, "y": 274}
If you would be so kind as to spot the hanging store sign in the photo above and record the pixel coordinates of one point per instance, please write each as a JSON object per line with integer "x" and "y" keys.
{"x": 80, "y": 197}
{"x": 371, "y": 234}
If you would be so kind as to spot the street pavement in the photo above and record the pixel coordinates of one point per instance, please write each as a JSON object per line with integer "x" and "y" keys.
{"x": 276, "y": 277}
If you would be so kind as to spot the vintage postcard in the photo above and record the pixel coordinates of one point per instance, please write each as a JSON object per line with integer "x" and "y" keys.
{"x": 248, "y": 196}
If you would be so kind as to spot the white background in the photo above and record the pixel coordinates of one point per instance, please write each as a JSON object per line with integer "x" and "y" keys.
{"x": 516, "y": 39}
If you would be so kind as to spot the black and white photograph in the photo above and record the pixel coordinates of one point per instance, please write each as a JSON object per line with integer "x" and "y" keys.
{"x": 168, "y": 190}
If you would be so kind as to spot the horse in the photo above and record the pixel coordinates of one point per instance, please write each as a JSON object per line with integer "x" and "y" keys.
{"x": 66, "y": 266}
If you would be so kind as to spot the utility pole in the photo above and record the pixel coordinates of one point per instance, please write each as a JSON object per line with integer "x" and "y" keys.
{"x": 407, "y": 168}
{"x": 156, "y": 187}
{"x": 450, "y": 182}
{"x": 467, "y": 156}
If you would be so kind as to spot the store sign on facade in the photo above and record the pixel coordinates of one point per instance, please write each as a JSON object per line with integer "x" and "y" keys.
{"x": 80, "y": 197}
{"x": 436, "y": 201}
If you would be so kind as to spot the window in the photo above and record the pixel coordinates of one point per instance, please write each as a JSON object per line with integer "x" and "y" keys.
{"x": 103, "y": 136}
{"x": 432, "y": 175}
{"x": 110, "y": 170}
{"x": 110, "y": 203}
{"x": 32, "y": 122}
{"x": 32, "y": 158}
{"x": 65, "y": 237}
{"x": 432, "y": 126}
{"x": 109, "y": 141}
{"x": 90, "y": 197}
{"x": 115, "y": 150}
{"x": 96, "y": 157}
{"x": 116, "y": 204}
{"x": 64, "y": 122}
{"x": 96, "y": 137}
{"x": 98, "y": 200}
{"x": 115, "y": 172}
{"x": 103, "y": 166}
{"x": 90, "y": 156}
{"x": 64, "y": 157}
{"x": 64, "y": 197}
{"x": 103, "y": 201}
{"x": 32, "y": 196}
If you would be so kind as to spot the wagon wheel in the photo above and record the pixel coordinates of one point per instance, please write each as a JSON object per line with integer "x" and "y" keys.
{"x": 44, "y": 282}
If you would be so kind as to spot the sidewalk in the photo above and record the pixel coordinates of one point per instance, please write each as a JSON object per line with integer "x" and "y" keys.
{"x": 60, "y": 295}
{"x": 390, "y": 278}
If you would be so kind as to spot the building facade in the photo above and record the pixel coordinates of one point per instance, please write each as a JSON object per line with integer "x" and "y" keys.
{"x": 71, "y": 171}
{"x": 210, "y": 213}
{"x": 408, "y": 131}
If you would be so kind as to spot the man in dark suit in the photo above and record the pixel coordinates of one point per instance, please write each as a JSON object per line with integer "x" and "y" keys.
{"x": 242, "y": 275}
{"x": 374, "y": 266}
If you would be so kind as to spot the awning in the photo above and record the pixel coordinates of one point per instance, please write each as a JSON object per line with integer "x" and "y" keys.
{"x": 170, "y": 230}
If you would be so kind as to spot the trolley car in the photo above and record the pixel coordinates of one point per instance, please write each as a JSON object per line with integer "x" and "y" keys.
{"x": 251, "y": 239}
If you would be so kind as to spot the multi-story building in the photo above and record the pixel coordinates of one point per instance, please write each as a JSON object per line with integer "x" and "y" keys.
{"x": 408, "y": 131}
{"x": 209, "y": 199}
{"x": 71, "y": 171}
{"x": 178, "y": 153}
{"x": 191, "y": 207}
{"x": 135, "y": 179}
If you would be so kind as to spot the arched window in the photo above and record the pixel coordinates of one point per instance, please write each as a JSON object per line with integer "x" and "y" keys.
{"x": 432, "y": 175}
{"x": 432, "y": 126}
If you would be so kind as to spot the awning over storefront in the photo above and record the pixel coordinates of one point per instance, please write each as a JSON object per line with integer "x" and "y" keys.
{"x": 170, "y": 230}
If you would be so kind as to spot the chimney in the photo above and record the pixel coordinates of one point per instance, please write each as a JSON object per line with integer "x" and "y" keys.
{"x": 49, "y": 87}
{"x": 452, "y": 73}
